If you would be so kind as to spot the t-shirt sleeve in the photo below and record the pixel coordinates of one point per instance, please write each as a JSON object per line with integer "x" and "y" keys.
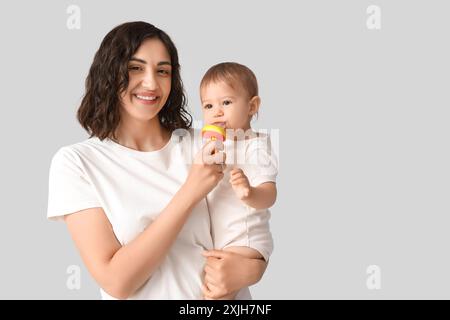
{"x": 263, "y": 162}
{"x": 69, "y": 187}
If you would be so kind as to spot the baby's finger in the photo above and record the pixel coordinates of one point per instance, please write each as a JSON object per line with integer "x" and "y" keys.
{"x": 239, "y": 181}
{"x": 237, "y": 175}
{"x": 235, "y": 171}
{"x": 236, "y": 180}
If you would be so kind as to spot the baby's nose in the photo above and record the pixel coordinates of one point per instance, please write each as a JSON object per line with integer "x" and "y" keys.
{"x": 219, "y": 112}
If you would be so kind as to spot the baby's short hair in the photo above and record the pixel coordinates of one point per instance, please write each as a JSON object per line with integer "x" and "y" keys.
{"x": 233, "y": 74}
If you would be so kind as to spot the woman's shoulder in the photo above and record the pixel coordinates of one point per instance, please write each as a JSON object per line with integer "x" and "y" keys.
{"x": 74, "y": 152}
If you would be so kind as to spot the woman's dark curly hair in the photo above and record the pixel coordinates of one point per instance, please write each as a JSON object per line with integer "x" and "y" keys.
{"x": 99, "y": 111}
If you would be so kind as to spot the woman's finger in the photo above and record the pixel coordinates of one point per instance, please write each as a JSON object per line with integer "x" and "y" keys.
{"x": 210, "y": 280}
{"x": 219, "y": 157}
{"x": 212, "y": 153}
{"x": 214, "y": 292}
{"x": 218, "y": 167}
{"x": 213, "y": 145}
{"x": 206, "y": 292}
{"x": 208, "y": 270}
{"x": 215, "y": 253}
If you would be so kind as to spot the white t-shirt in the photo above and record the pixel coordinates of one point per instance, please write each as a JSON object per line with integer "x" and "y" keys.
{"x": 233, "y": 222}
{"x": 133, "y": 187}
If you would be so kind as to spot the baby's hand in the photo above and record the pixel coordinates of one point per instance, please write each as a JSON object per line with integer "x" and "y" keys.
{"x": 240, "y": 184}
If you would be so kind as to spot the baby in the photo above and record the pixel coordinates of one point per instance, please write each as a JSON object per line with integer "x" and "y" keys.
{"x": 239, "y": 204}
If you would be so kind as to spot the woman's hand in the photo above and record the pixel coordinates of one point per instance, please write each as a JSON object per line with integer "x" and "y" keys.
{"x": 206, "y": 171}
{"x": 227, "y": 272}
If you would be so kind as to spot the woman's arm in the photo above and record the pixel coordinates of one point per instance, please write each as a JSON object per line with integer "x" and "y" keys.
{"x": 227, "y": 272}
{"x": 121, "y": 270}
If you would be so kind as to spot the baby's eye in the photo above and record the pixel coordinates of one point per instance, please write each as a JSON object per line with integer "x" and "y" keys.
{"x": 226, "y": 102}
{"x": 207, "y": 106}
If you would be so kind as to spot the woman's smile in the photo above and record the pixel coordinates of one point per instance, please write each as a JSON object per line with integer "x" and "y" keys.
{"x": 146, "y": 98}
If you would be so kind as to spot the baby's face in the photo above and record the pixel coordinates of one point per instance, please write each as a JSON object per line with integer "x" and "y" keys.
{"x": 225, "y": 107}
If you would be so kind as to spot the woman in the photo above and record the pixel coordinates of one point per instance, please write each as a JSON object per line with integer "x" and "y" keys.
{"x": 133, "y": 203}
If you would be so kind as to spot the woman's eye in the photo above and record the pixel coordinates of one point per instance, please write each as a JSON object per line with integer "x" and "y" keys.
{"x": 226, "y": 102}
{"x": 164, "y": 72}
{"x": 134, "y": 68}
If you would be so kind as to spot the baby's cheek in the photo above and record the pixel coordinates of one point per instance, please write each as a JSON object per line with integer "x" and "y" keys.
{"x": 207, "y": 117}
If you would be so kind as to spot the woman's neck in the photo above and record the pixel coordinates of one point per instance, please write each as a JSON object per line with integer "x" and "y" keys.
{"x": 142, "y": 136}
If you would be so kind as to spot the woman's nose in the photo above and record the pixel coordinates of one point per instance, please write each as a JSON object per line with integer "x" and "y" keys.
{"x": 149, "y": 81}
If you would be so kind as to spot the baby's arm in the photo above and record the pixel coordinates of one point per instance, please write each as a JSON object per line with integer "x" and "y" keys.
{"x": 262, "y": 196}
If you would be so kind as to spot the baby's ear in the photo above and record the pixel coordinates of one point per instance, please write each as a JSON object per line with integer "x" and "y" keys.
{"x": 254, "y": 105}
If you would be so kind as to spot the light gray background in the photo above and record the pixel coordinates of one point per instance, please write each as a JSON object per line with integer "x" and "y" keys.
{"x": 364, "y": 136}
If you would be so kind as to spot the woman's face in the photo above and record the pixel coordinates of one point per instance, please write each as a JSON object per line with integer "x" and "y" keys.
{"x": 150, "y": 74}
